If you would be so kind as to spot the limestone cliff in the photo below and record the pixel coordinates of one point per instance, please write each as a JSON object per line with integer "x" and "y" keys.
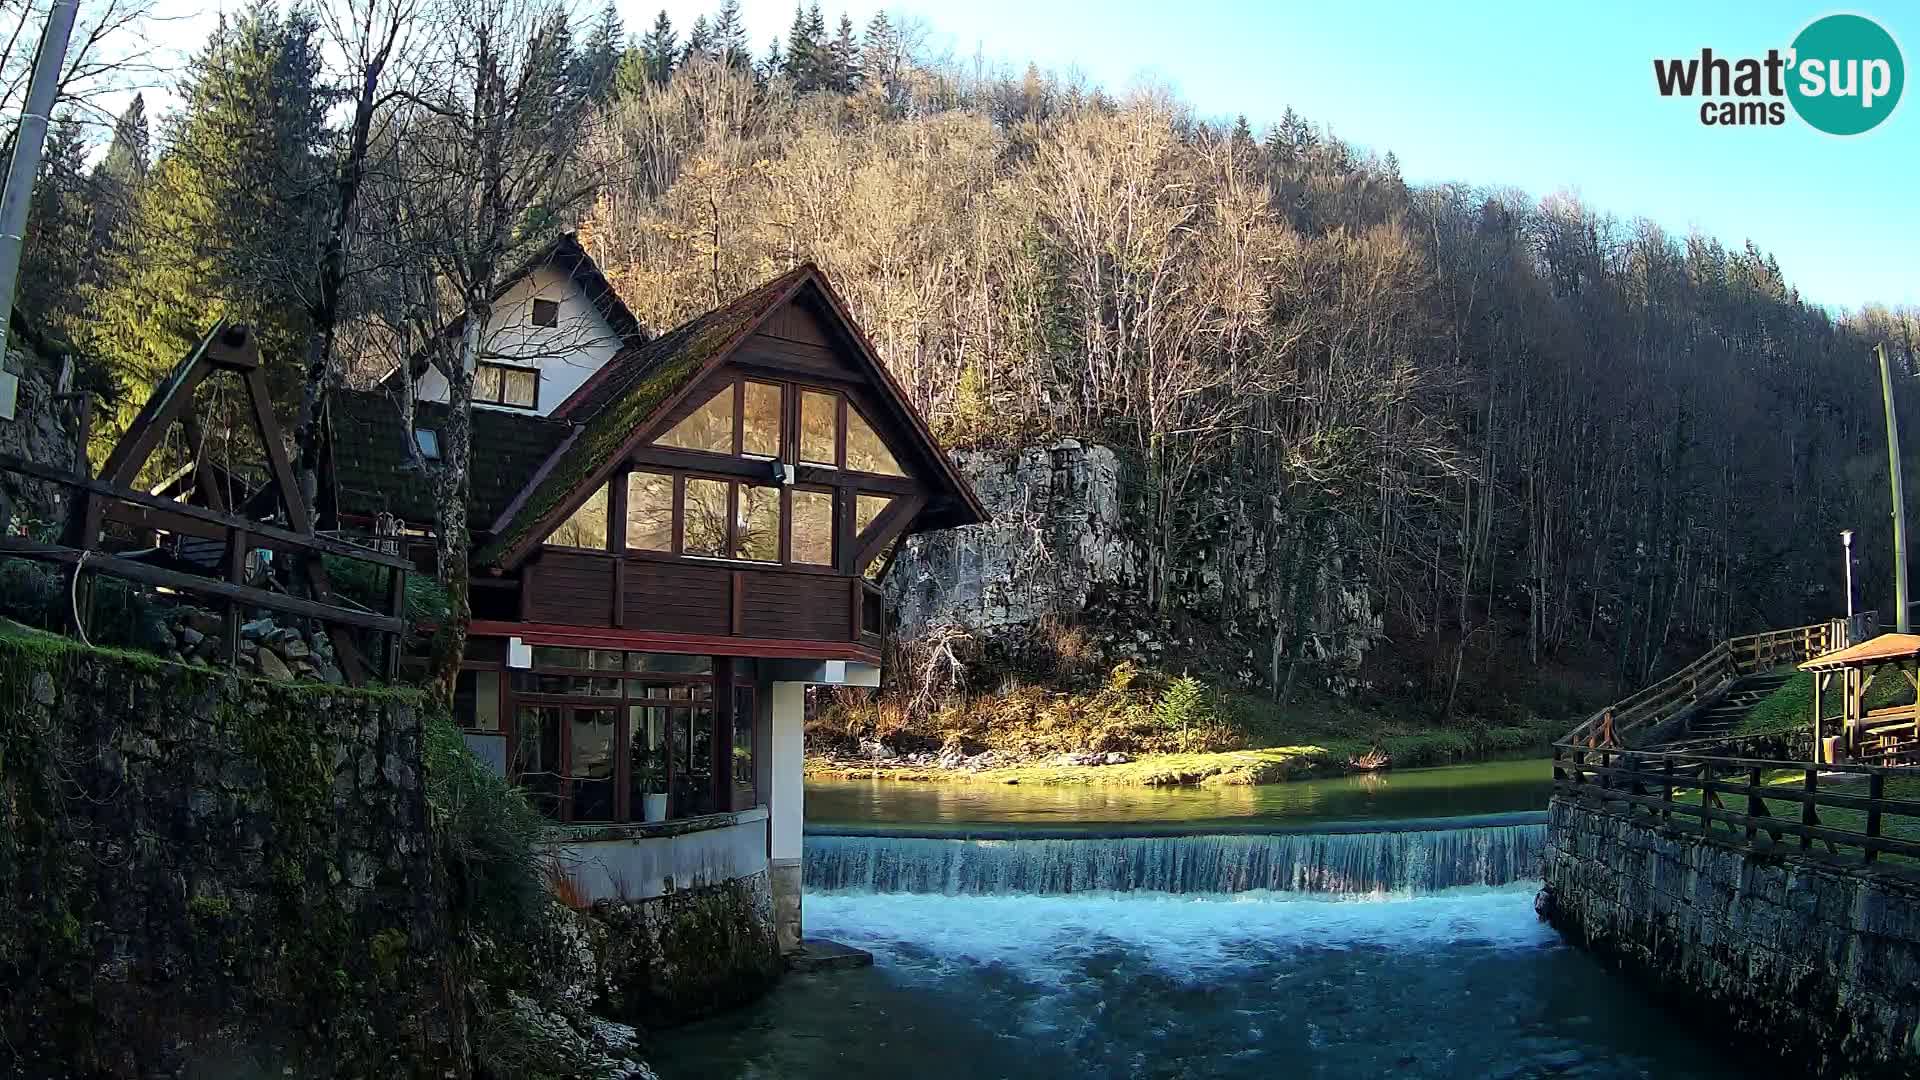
{"x": 1068, "y": 542}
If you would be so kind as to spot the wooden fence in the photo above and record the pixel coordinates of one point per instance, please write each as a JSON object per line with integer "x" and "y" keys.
{"x": 1709, "y": 676}
{"x": 1843, "y": 808}
{"x": 237, "y": 537}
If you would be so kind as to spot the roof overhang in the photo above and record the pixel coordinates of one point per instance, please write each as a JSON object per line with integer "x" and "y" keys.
{"x": 1884, "y": 649}
{"x": 607, "y": 637}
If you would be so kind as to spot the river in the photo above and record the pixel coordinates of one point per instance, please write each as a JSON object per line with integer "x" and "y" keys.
{"x": 1290, "y": 930}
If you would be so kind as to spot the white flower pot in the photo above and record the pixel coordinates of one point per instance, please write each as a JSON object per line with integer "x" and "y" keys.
{"x": 654, "y": 807}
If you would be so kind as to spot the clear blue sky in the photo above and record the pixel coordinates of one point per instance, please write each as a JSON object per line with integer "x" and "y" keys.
{"x": 1540, "y": 96}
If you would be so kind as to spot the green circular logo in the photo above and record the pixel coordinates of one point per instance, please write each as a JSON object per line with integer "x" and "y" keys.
{"x": 1847, "y": 74}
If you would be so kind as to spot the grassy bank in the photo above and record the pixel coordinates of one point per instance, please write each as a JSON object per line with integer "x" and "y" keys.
{"x": 1158, "y": 731}
{"x": 1790, "y": 708}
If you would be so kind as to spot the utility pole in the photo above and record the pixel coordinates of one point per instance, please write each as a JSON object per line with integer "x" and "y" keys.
{"x": 1846, "y": 547}
{"x": 1901, "y": 624}
{"x": 28, "y": 140}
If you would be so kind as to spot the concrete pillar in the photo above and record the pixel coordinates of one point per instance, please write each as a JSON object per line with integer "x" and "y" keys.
{"x": 786, "y": 800}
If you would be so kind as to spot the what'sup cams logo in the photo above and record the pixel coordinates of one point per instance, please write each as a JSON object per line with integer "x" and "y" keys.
{"x": 1843, "y": 75}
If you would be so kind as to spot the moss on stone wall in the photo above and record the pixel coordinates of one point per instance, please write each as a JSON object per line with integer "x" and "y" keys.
{"x": 690, "y": 952}
{"x": 201, "y": 868}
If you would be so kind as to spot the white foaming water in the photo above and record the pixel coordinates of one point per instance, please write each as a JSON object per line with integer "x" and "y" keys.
{"x": 1051, "y": 940}
{"x": 1403, "y": 862}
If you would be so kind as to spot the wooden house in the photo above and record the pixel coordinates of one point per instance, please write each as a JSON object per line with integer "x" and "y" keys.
{"x": 673, "y": 535}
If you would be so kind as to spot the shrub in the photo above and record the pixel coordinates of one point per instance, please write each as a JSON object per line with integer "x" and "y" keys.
{"x": 123, "y": 615}
{"x": 365, "y": 584}
{"x": 488, "y": 835}
{"x": 1183, "y": 705}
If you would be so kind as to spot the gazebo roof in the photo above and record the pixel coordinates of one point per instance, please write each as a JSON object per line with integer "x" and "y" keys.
{"x": 1880, "y": 650}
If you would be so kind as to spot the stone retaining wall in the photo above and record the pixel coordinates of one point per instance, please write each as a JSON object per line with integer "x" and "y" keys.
{"x": 1792, "y": 957}
{"x": 202, "y": 874}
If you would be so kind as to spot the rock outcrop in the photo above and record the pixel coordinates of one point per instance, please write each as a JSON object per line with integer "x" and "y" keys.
{"x": 1068, "y": 541}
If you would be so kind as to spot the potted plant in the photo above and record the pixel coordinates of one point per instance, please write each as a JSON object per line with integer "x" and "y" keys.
{"x": 653, "y": 786}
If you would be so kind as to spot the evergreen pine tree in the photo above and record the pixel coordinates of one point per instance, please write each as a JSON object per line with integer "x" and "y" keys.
{"x": 597, "y": 62}
{"x": 659, "y": 49}
{"x": 1242, "y": 136}
{"x": 774, "y": 62}
{"x": 843, "y": 59}
{"x": 699, "y": 41}
{"x": 730, "y": 36}
{"x": 230, "y": 221}
{"x": 803, "y": 49}
{"x": 878, "y": 49}
{"x": 57, "y": 255}
{"x": 118, "y": 177}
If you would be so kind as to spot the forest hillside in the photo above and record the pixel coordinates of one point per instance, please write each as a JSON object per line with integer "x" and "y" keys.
{"x": 1541, "y": 438}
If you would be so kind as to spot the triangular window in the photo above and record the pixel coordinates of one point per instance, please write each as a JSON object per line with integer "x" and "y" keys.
{"x": 708, "y": 428}
{"x": 865, "y": 452}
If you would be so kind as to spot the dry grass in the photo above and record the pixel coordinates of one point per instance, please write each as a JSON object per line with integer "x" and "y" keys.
{"x": 565, "y": 887}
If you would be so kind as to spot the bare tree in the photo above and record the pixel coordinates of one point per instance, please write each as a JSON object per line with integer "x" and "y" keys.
{"x": 490, "y": 167}
{"x": 370, "y": 35}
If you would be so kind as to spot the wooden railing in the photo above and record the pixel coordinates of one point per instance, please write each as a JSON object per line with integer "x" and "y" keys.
{"x": 1710, "y": 675}
{"x": 1843, "y": 808}
{"x": 237, "y": 537}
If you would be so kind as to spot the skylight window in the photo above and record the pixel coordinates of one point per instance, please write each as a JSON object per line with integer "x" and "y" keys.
{"x": 428, "y": 440}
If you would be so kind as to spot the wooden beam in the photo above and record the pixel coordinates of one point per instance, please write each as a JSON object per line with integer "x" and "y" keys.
{"x": 174, "y": 579}
{"x": 261, "y": 530}
{"x": 169, "y": 400}
{"x": 603, "y": 637}
{"x": 722, "y": 742}
{"x": 881, "y": 531}
{"x": 268, "y": 429}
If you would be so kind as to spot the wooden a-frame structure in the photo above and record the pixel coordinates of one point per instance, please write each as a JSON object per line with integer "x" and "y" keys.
{"x": 222, "y": 536}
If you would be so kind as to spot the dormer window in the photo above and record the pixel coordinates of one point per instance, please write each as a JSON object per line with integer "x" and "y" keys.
{"x": 501, "y": 384}
{"x": 546, "y": 313}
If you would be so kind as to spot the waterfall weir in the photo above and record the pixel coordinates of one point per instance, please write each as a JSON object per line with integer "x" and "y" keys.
{"x": 1398, "y": 859}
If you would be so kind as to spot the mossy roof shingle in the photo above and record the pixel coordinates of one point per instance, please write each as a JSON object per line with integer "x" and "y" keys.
{"x": 373, "y": 470}
{"x": 624, "y": 395}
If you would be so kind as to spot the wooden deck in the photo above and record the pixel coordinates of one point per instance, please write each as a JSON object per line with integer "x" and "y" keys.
{"x": 1726, "y": 786}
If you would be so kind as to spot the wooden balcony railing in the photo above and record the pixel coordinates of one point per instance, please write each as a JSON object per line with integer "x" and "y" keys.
{"x": 1711, "y": 674}
{"x": 236, "y": 538}
{"x": 1750, "y": 801}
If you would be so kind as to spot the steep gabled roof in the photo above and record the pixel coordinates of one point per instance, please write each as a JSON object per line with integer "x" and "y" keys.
{"x": 615, "y": 406}
{"x": 373, "y": 467}
{"x": 626, "y": 392}
{"x": 562, "y": 253}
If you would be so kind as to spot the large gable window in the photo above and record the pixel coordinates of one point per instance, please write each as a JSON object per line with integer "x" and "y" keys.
{"x": 762, "y": 406}
{"x": 502, "y": 384}
{"x": 708, "y": 428}
{"x": 649, "y": 511}
{"x": 585, "y": 527}
{"x": 812, "y": 527}
{"x": 756, "y": 532}
{"x": 820, "y": 428}
{"x": 865, "y": 452}
{"x": 703, "y": 530}
{"x": 726, "y": 519}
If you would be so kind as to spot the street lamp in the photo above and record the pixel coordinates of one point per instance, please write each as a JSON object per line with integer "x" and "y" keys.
{"x": 1846, "y": 543}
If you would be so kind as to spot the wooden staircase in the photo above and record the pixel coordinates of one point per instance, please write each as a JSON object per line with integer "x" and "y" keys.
{"x": 1722, "y": 717}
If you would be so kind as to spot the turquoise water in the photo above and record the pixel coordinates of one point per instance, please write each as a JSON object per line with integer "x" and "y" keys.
{"x": 1228, "y": 939}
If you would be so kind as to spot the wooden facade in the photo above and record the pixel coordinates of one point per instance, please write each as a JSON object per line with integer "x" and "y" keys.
{"x": 727, "y": 494}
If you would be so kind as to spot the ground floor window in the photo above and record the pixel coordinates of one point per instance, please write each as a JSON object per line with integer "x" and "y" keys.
{"x": 599, "y": 736}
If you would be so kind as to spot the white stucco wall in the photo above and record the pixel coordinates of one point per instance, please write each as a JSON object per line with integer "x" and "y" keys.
{"x": 789, "y": 752}
{"x": 566, "y": 354}
{"x": 636, "y": 862}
